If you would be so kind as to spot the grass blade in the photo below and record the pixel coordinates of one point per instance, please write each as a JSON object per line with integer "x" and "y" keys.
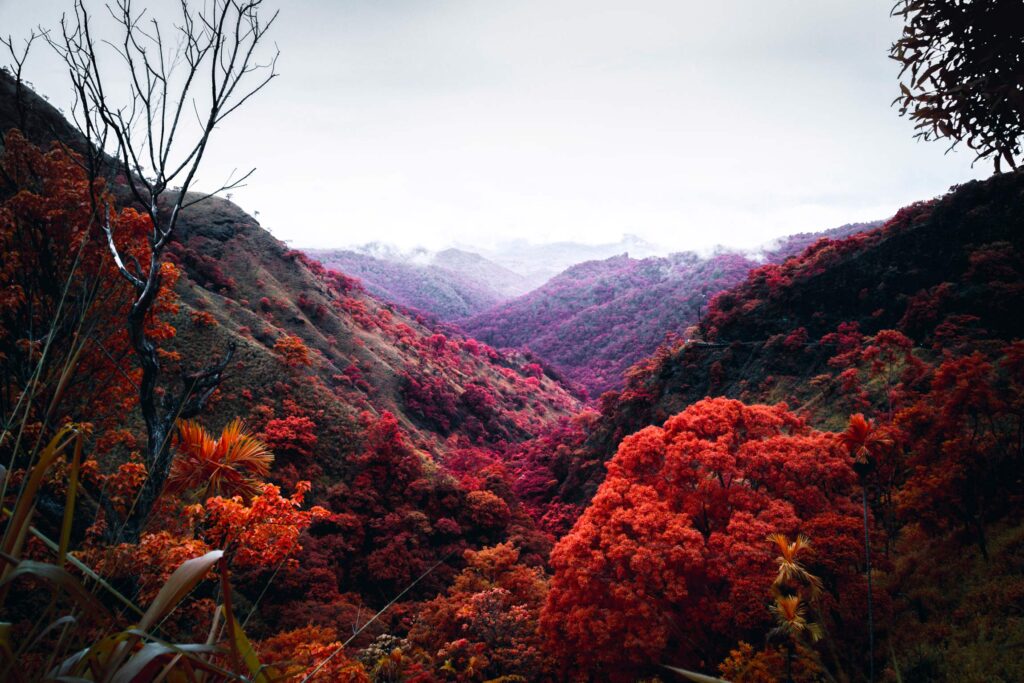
{"x": 17, "y": 527}
{"x": 694, "y": 676}
{"x": 69, "y": 502}
{"x": 178, "y": 585}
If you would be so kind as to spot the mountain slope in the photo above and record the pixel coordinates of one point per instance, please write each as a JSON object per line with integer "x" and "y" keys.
{"x": 361, "y": 349}
{"x": 596, "y": 319}
{"x": 446, "y": 468}
{"x": 398, "y": 427}
{"x": 903, "y": 345}
{"x": 945, "y": 273}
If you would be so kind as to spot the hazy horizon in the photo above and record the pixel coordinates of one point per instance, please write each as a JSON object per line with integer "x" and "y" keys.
{"x": 459, "y": 123}
{"x": 507, "y": 246}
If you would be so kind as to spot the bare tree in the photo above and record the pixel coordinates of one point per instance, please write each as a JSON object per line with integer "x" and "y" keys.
{"x": 17, "y": 66}
{"x": 181, "y": 85}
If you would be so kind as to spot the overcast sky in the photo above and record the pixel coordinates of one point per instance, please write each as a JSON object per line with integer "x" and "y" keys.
{"x": 686, "y": 123}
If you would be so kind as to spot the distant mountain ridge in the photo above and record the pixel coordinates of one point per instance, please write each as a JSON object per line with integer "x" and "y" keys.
{"x": 596, "y": 319}
{"x": 538, "y": 263}
{"x": 507, "y": 282}
{"x": 510, "y": 268}
{"x": 448, "y": 285}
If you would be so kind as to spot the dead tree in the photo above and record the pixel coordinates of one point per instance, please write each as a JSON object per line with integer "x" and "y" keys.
{"x": 182, "y": 84}
{"x": 18, "y": 58}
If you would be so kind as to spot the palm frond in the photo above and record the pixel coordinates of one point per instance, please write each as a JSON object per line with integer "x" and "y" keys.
{"x": 233, "y": 464}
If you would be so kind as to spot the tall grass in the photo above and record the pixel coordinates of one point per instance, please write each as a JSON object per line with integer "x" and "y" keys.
{"x": 59, "y": 619}
{"x": 76, "y": 637}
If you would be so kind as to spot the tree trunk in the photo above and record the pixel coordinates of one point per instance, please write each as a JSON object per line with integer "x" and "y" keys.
{"x": 867, "y": 558}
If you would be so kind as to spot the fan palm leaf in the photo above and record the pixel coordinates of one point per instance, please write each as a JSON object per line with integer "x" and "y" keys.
{"x": 862, "y": 440}
{"x": 791, "y": 618}
{"x": 233, "y": 464}
{"x": 791, "y": 571}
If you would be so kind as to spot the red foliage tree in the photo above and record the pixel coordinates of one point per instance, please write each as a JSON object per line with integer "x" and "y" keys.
{"x": 669, "y": 562}
{"x": 433, "y": 399}
{"x": 291, "y": 435}
{"x": 963, "y": 437}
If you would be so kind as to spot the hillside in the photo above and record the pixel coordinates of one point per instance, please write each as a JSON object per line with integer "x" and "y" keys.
{"x": 943, "y": 273}
{"x": 363, "y": 350}
{"x": 884, "y": 369}
{"x": 456, "y": 403}
{"x": 596, "y": 319}
{"x": 448, "y": 285}
{"x": 257, "y": 290}
{"x": 396, "y": 426}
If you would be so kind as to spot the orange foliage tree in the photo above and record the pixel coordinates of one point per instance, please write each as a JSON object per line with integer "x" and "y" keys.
{"x": 491, "y": 612}
{"x": 299, "y": 653}
{"x": 263, "y": 533}
{"x": 293, "y": 350}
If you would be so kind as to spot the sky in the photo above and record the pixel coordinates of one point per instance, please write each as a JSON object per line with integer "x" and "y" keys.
{"x": 690, "y": 124}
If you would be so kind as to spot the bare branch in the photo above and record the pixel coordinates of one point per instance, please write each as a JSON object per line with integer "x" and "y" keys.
{"x": 18, "y": 60}
{"x": 228, "y": 185}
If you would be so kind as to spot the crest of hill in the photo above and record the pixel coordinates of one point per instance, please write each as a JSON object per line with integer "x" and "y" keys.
{"x": 38, "y": 120}
{"x": 596, "y": 319}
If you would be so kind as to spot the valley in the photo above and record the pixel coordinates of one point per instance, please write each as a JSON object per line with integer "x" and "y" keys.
{"x": 223, "y": 458}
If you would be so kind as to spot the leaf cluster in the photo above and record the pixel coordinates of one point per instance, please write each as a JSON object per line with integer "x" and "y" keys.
{"x": 961, "y": 77}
